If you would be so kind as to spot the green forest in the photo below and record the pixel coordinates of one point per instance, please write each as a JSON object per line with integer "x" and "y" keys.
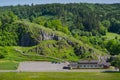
{"x": 68, "y": 31}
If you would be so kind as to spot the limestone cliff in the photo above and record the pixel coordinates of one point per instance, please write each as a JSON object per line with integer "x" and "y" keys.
{"x": 54, "y": 43}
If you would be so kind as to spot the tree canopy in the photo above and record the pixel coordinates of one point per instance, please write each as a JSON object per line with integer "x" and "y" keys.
{"x": 116, "y": 62}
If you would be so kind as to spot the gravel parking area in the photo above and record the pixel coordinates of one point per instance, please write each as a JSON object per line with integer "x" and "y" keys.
{"x": 35, "y": 66}
{"x": 40, "y": 66}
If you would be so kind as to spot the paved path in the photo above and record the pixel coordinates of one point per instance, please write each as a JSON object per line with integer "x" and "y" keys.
{"x": 8, "y": 71}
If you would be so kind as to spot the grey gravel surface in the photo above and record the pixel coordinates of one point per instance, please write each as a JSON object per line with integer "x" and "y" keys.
{"x": 41, "y": 66}
{"x": 36, "y": 66}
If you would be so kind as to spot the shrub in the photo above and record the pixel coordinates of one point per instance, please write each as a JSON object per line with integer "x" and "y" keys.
{"x": 1, "y": 56}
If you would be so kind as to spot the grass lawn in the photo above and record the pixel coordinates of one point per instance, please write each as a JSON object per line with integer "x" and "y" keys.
{"x": 60, "y": 76}
{"x": 8, "y": 65}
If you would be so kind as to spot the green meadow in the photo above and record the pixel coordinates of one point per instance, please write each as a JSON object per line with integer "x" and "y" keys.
{"x": 60, "y": 76}
{"x": 8, "y": 65}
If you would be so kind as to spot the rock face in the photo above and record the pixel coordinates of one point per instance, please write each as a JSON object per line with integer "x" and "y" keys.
{"x": 42, "y": 35}
{"x": 27, "y": 40}
{"x": 47, "y": 36}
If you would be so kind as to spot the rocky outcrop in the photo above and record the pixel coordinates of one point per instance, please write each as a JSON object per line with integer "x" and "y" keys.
{"x": 49, "y": 36}
{"x": 27, "y": 40}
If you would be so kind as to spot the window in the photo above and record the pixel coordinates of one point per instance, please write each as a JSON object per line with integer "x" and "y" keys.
{"x": 87, "y": 65}
{"x": 84, "y": 65}
{"x": 80, "y": 65}
{"x": 91, "y": 65}
{"x": 100, "y": 65}
{"x": 95, "y": 65}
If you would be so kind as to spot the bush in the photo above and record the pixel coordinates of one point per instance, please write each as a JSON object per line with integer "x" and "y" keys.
{"x": 1, "y": 56}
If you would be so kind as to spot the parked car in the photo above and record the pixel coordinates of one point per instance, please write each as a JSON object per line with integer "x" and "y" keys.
{"x": 66, "y": 67}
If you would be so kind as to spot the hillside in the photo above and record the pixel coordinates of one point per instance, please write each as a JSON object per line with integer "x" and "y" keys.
{"x": 45, "y": 41}
{"x": 93, "y": 19}
{"x": 66, "y": 31}
{"x": 112, "y": 36}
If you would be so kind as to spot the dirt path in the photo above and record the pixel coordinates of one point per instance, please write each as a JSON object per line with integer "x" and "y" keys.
{"x": 25, "y": 54}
